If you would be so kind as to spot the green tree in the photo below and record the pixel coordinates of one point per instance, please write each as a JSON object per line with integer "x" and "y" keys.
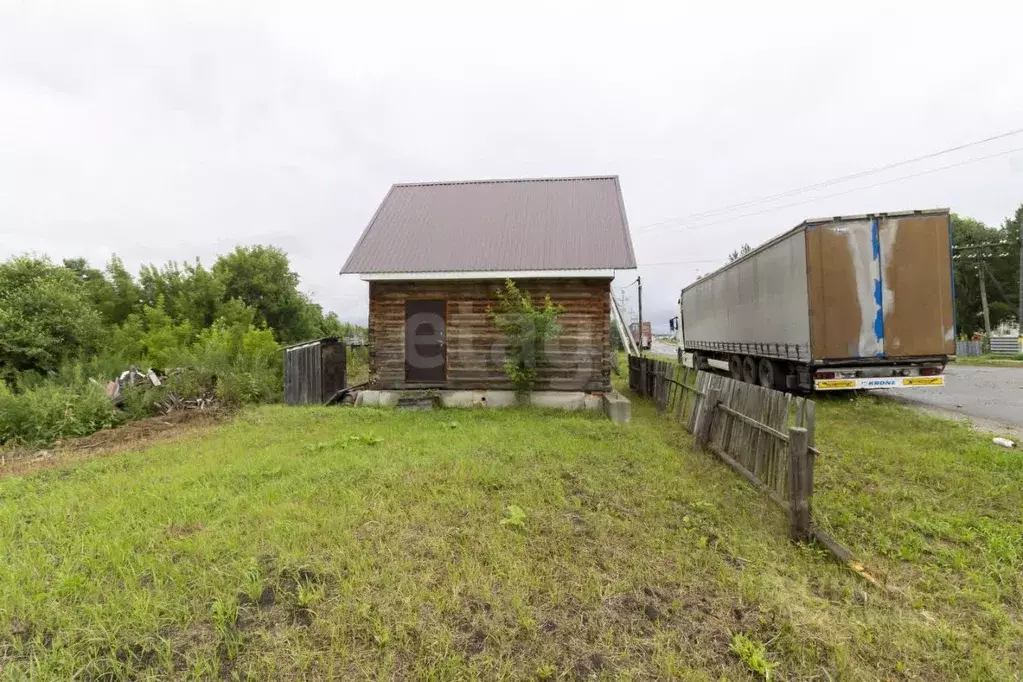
{"x": 164, "y": 340}
{"x": 331, "y": 325}
{"x": 46, "y": 316}
{"x": 127, "y": 296}
{"x": 997, "y": 259}
{"x": 202, "y": 297}
{"x": 101, "y": 291}
{"x": 261, "y": 277}
{"x": 165, "y": 283}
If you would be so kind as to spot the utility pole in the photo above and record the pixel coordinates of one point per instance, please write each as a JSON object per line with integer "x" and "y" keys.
{"x": 983, "y": 303}
{"x": 1020, "y": 318}
{"x": 639, "y": 282}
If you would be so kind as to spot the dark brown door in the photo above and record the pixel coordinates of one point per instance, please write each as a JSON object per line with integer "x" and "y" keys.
{"x": 425, "y": 358}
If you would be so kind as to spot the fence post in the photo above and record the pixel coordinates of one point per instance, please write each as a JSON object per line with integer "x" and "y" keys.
{"x": 800, "y": 484}
{"x": 642, "y": 378}
{"x": 706, "y": 417}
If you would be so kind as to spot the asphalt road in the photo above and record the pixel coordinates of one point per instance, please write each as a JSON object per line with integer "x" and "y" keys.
{"x": 992, "y": 394}
{"x": 660, "y": 348}
{"x": 989, "y": 393}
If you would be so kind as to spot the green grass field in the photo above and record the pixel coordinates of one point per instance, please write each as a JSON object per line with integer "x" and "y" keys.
{"x": 991, "y": 360}
{"x": 344, "y": 543}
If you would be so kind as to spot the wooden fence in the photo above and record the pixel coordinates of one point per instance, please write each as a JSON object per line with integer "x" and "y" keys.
{"x": 766, "y": 436}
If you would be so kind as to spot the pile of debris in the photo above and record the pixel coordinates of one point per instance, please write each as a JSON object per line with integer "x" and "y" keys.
{"x": 131, "y": 377}
{"x": 169, "y": 402}
{"x": 204, "y": 401}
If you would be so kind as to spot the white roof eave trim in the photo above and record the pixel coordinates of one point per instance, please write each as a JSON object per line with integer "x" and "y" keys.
{"x": 487, "y": 274}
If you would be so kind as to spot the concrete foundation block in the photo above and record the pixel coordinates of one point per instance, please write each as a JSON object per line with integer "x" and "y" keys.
{"x": 559, "y": 400}
{"x": 377, "y": 398}
{"x": 499, "y": 399}
{"x": 617, "y": 407}
{"x": 460, "y": 398}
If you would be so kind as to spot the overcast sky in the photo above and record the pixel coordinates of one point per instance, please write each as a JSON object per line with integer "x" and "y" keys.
{"x": 170, "y": 130}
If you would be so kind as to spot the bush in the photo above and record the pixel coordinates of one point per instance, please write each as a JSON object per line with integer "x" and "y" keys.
{"x": 527, "y": 328}
{"x": 139, "y": 402}
{"x": 240, "y": 361}
{"x": 51, "y": 412}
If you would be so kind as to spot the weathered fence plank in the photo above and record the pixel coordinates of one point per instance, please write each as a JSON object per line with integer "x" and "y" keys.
{"x": 706, "y": 418}
{"x": 799, "y": 485}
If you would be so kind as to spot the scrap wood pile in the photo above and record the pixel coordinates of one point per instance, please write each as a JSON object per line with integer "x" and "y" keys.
{"x": 168, "y": 401}
{"x": 172, "y": 402}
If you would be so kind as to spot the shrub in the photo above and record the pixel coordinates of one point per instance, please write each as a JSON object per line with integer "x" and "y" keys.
{"x": 52, "y": 411}
{"x": 527, "y": 328}
{"x": 243, "y": 362}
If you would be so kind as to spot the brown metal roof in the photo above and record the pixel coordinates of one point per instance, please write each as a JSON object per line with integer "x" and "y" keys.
{"x": 542, "y": 224}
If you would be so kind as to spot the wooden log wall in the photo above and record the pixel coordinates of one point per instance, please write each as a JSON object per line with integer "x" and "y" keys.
{"x": 578, "y": 360}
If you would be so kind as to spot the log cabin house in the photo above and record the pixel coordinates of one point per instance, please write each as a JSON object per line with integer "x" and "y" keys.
{"x": 435, "y": 254}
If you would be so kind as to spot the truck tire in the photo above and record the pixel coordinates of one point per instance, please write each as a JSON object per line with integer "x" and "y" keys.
{"x": 735, "y": 367}
{"x": 768, "y": 374}
{"x": 749, "y": 370}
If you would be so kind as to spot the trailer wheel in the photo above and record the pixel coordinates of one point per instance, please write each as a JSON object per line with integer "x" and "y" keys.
{"x": 735, "y": 367}
{"x": 749, "y": 370}
{"x": 768, "y": 374}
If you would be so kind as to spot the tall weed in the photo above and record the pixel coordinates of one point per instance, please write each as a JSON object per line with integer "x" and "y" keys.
{"x": 52, "y": 411}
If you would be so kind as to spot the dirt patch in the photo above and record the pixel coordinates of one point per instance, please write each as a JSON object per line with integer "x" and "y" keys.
{"x": 130, "y": 436}
{"x": 181, "y": 530}
{"x": 588, "y": 667}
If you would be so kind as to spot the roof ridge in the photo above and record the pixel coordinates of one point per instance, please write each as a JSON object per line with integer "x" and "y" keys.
{"x": 491, "y": 181}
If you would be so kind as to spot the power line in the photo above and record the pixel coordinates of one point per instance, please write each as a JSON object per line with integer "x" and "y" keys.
{"x": 832, "y": 181}
{"x": 956, "y": 249}
{"x": 976, "y": 159}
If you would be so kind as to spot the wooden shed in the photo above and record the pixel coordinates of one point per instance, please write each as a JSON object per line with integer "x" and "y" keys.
{"x": 313, "y": 371}
{"x": 435, "y": 254}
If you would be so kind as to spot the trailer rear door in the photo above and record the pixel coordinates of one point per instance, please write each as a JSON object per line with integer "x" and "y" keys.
{"x": 916, "y": 292}
{"x": 843, "y": 276}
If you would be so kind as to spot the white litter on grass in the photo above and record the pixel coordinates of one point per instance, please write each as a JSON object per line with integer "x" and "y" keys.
{"x": 1004, "y": 442}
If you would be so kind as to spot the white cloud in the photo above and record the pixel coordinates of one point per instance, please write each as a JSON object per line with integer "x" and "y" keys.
{"x": 172, "y": 130}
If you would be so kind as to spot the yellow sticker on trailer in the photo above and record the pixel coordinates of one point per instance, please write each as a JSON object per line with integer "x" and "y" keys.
{"x": 829, "y": 384}
{"x": 924, "y": 381}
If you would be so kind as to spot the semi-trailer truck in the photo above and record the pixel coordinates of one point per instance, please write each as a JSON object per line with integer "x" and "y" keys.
{"x": 644, "y": 340}
{"x": 849, "y": 302}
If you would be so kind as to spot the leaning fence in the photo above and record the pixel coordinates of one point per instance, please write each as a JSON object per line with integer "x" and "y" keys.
{"x": 766, "y": 436}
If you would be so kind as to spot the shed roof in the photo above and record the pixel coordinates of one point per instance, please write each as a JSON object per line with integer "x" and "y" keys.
{"x": 497, "y": 225}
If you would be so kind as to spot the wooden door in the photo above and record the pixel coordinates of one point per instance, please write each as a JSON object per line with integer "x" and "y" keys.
{"x": 425, "y": 356}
